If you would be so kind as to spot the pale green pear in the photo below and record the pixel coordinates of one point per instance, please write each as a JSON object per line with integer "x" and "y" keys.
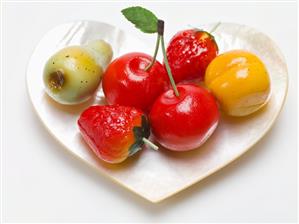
{"x": 73, "y": 74}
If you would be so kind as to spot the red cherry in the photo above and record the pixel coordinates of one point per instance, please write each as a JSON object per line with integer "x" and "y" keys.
{"x": 185, "y": 122}
{"x": 126, "y": 82}
{"x": 189, "y": 53}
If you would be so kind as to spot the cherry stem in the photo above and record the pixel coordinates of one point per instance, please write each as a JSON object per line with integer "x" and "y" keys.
{"x": 150, "y": 144}
{"x": 215, "y": 27}
{"x": 155, "y": 54}
{"x": 161, "y": 33}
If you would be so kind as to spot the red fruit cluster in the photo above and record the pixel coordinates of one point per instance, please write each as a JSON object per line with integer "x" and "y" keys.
{"x": 180, "y": 120}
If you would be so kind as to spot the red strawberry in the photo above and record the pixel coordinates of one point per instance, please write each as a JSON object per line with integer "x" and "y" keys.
{"x": 114, "y": 132}
{"x": 189, "y": 53}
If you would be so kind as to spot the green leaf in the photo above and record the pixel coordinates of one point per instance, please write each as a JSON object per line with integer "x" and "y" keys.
{"x": 142, "y": 18}
{"x": 135, "y": 148}
{"x": 139, "y": 134}
{"x": 145, "y": 127}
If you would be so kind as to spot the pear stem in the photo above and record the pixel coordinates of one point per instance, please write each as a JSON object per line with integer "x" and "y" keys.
{"x": 150, "y": 144}
{"x": 155, "y": 54}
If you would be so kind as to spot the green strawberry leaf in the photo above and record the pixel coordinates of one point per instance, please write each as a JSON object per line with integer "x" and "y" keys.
{"x": 145, "y": 127}
{"x": 135, "y": 148}
{"x": 142, "y": 18}
{"x": 139, "y": 134}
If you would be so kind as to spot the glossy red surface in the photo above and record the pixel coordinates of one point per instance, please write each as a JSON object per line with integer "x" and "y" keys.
{"x": 189, "y": 53}
{"x": 126, "y": 82}
{"x": 108, "y": 130}
{"x": 185, "y": 122}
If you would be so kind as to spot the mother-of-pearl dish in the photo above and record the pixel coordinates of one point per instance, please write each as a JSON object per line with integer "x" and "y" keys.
{"x": 150, "y": 174}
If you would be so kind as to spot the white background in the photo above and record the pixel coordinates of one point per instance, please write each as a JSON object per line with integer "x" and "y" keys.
{"x": 42, "y": 182}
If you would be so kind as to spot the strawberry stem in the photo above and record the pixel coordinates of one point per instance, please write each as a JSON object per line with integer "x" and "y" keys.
{"x": 155, "y": 54}
{"x": 215, "y": 27}
{"x": 150, "y": 144}
{"x": 161, "y": 33}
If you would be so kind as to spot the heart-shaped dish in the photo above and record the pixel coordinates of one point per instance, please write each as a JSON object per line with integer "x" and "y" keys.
{"x": 158, "y": 175}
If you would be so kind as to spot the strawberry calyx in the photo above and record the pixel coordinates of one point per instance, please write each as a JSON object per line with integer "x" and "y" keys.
{"x": 140, "y": 133}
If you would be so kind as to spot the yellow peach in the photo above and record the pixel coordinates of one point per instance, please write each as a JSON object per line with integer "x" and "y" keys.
{"x": 240, "y": 82}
